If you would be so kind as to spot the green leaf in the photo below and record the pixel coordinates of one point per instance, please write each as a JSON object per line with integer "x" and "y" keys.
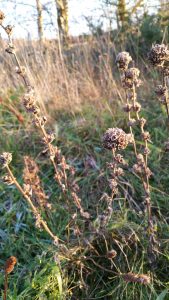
{"x": 162, "y": 295}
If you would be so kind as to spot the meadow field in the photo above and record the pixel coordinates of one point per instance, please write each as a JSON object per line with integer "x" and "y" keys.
{"x": 84, "y": 160}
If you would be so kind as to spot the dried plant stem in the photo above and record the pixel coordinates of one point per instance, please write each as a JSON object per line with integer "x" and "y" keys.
{"x": 5, "y": 286}
{"x": 34, "y": 209}
{"x": 37, "y": 116}
{"x": 131, "y": 94}
{"x": 164, "y": 84}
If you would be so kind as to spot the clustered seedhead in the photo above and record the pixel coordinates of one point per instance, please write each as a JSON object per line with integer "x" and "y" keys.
{"x": 130, "y": 78}
{"x": 140, "y": 167}
{"x": 123, "y": 59}
{"x": 158, "y": 55}
{"x": 10, "y": 264}
{"x": 115, "y": 139}
{"x": 139, "y": 278}
{"x": 5, "y": 159}
{"x": 2, "y": 17}
{"x": 130, "y": 81}
{"x": 32, "y": 184}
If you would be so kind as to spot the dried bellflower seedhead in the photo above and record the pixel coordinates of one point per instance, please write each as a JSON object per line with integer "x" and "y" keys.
{"x": 10, "y": 49}
{"x": 140, "y": 278}
{"x": 142, "y": 122}
{"x": 136, "y": 107}
{"x": 115, "y": 139}
{"x": 123, "y": 59}
{"x": 10, "y": 264}
{"x": 5, "y": 159}
{"x": 9, "y": 29}
{"x": 2, "y": 16}
{"x": 127, "y": 107}
{"x": 166, "y": 71}
{"x": 20, "y": 70}
{"x": 161, "y": 92}
{"x": 7, "y": 180}
{"x": 29, "y": 103}
{"x": 146, "y": 136}
{"x": 131, "y": 77}
{"x": 132, "y": 122}
{"x": 111, "y": 254}
{"x": 158, "y": 55}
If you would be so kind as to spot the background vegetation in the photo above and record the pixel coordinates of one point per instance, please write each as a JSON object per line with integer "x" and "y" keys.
{"x": 78, "y": 88}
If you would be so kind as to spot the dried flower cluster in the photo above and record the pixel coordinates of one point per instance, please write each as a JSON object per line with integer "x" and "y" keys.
{"x": 130, "y": 78}
{"x": 10, "y": 264}
{"x": 139, "y": 278}
{"x": 5, "y": 159}
{"x": 123, "y": 59}
{"x": 115, "y": 139}
{"x": 158, "y": 55}
{"x": 32, "y": 183}
{"x": 130, "y": 81}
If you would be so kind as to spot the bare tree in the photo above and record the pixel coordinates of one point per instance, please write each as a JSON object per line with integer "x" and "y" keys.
{"x": 62, "y": 11}
{"x": 40, "y": 19}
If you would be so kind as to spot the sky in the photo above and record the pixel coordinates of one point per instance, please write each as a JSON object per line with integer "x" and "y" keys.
{"x": 22, "y": 14}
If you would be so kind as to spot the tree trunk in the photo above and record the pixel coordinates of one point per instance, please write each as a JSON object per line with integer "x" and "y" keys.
{"x": 40, "y": 19}
{"x": 62, "y": 11}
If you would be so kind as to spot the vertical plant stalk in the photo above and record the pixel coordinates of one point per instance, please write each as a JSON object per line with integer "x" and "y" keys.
{"x": 130, "y": 80}
{"x": 29, "y": 102}
{"x": 5, "y": 286}
{"x": 114, "y": 139}
{"x": 35, "y": 211}
{"x": 9, "y": 266}
{"x": 165, "y": 88}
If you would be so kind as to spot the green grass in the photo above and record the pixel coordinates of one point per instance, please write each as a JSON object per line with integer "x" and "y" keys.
{"x": 39, "y": 273}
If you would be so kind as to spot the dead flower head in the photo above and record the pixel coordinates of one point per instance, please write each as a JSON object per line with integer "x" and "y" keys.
{"x": 123, "y": 59}
{"x": 158, "y": 55}
{"x": 5, "y": 159}
{"x": 139, "y": 278}
{"x": 115, "y": 139}
{"x": 131, "y": 77}
{"x": 10, "y": 264}
{"x": 2, "y": 17}
{"x": 161, "y": 92}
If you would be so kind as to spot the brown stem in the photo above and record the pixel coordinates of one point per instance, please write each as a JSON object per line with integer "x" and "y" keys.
{"x": 5, "y": 286}
{"x": 166, "y": 98}
{"x": 34, "y": 209}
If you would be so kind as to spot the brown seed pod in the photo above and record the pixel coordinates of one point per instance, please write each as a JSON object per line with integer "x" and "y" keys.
{"x": 123, "y": 59}
{"x": 140, "y": 278}
{"x": 10, "y": 264}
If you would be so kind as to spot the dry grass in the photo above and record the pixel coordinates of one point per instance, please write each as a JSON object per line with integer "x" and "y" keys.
{"x": 100, "y": 233}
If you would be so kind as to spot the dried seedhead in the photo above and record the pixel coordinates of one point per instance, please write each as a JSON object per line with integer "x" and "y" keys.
{"x": 10, "y": 264}
{"x": 2, "y": 17}
{"x": 158, "y": 55}
{"x": 115, "y": 139}
{"x": 139, "y": 278}
{"x": 131, "y": 77}
{"x": 32, "y": 183}
{"x": 5, "y": 159}
{"x": 123, "y": 59}
{"x": 161, "y": 92}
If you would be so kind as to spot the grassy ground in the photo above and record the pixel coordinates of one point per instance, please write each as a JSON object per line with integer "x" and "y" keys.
{"x": 38, "y": 274}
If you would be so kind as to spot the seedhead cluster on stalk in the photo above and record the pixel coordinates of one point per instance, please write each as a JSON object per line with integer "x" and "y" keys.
{"x": 159, "y": 59}
{"x": 130, "y": 82}
{"x": 62, "y": 170}
{"x": 82, "y": 249}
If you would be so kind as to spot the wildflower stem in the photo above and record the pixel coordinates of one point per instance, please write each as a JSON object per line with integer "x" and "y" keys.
{"x": 34, "y": 209}
{"x": 166, "y": 97}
